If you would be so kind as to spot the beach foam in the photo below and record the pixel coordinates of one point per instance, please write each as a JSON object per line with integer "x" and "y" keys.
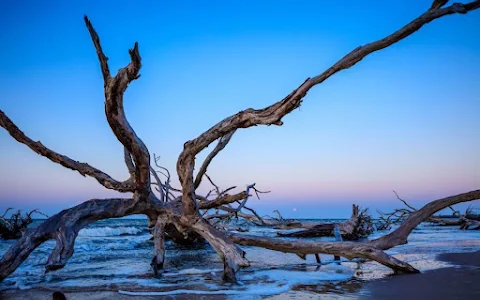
{"x": 261, "y": 283}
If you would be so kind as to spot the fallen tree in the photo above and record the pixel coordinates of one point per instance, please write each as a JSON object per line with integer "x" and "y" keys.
{"x": 154, "y": 197}
{"x": 359, "y": 226}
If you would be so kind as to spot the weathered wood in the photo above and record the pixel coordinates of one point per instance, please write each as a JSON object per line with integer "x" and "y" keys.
{"x": 349, "y": 250}
{"x": 232, "y": 256}
{"x": 64, "y": 227}
{"x": 319, "y": 230}
{"x": 183, "y": 212}
{"x": 372, "y": 250}
{"x": 159, "y": 246}
{"x": 115, "y": 87}
{"x": 358, "y": 226}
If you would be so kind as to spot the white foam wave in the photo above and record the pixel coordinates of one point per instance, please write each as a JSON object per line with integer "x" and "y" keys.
{"x": 273, "y": 282}
{"x": 108, "y": 231}
{"x": 257, "y": 289}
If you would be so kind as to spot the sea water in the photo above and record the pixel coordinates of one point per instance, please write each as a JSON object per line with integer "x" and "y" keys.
{"x": 115, "y": 254}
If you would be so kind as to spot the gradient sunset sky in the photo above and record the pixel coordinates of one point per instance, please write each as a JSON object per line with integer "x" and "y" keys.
{"x": 405, "y": 118}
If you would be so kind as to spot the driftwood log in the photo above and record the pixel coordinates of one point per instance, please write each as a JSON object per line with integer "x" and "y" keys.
{"x": 148, "y": 195}
{"x": 359, "y": 226}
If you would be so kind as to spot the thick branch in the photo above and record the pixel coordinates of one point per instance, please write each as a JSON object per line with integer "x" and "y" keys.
{"x": 64, "y": 227}
{"x": 159, "y": 245}
{"x": 232, "y": 256}
{"x": 370, "y": 250}
{"x": 83, "y": 168}
{"x": 273, "y": 114}
{"x": 358, "y": 226}
{"x": 349, "y": 250}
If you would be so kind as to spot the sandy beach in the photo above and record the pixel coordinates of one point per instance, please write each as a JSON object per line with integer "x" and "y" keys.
{"x": 457, "y": 282}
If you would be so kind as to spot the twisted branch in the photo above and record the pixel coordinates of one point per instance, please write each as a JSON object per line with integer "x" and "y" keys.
{"x": 115, "y": 87}
{"x": 273, "y": 114}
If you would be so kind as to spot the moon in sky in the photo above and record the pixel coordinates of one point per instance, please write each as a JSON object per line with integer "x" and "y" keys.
{"x": 294, "y": 209}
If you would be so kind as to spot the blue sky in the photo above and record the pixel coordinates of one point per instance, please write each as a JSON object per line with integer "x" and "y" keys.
{"x": 405, "y": 118}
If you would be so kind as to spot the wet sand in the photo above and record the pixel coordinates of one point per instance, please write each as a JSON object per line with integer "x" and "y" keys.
{"x": 42, "y": 294}
{"x": 459, "y": 282}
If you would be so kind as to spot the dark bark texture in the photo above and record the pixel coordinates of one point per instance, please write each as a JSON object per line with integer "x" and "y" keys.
{"x": 176, "y": 212}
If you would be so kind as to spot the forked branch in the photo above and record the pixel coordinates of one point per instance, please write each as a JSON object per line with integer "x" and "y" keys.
{"x": 114, "y": 90}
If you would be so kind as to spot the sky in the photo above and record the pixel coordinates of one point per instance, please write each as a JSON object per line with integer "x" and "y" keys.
{"x": 404, "y": 119}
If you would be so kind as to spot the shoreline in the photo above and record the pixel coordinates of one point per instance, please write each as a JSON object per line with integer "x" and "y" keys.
{"x": 460, "y": 281}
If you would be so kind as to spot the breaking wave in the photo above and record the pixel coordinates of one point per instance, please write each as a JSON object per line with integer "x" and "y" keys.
{"x": 109, "y": 231}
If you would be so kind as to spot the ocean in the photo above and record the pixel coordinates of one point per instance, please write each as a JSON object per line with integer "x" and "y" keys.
{"x": 115, "y": 254}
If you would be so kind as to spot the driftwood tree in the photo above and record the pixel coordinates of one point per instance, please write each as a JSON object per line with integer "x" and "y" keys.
{"x": 181, "y": 213}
